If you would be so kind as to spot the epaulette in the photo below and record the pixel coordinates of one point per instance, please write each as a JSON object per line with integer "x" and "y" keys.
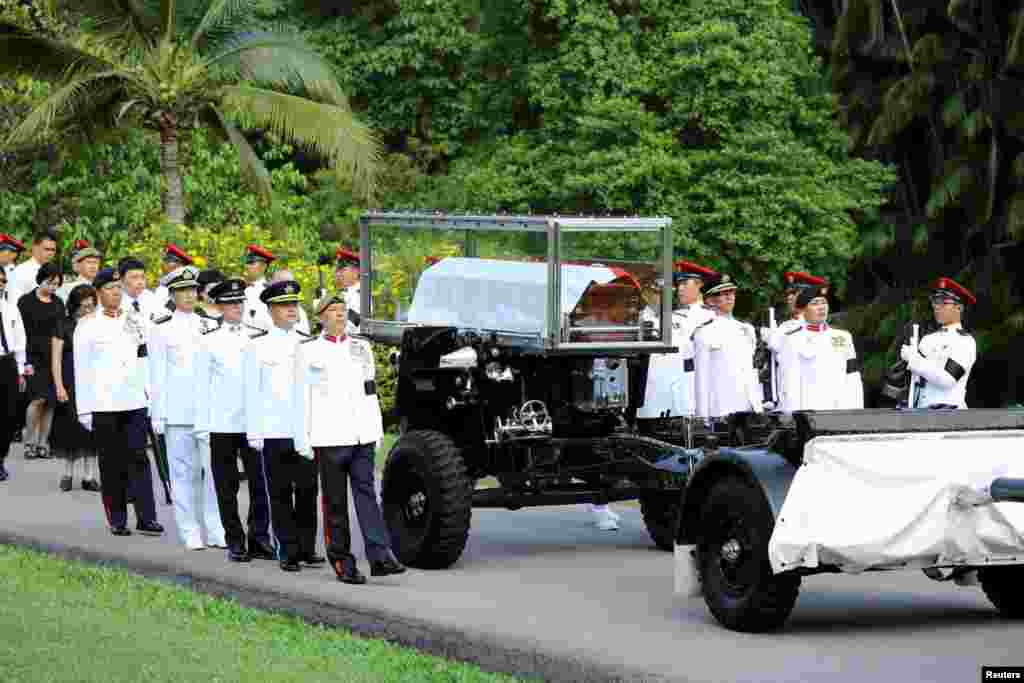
{"x": 161, "y": 320}
{"x": 253, "y": 327}
{"x": 794, "y": 330}
{"x": 307, "y": 339}
{"x": 703, "y": 324}
{"x": 964, "y": 332}
{"x": 259, "y": 333}
{"x": 214, "y": 329}
{"x": 303, "y": 334}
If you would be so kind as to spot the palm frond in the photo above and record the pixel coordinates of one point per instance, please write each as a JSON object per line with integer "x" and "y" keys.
{"x": 223, "y": 15}
{"x": 1015, "y": 50}
{"x": 281, "y": 60}
{"x": 333, "y": 132}
{"x": 253, "y": 170}
{"x": 22, "y": 52}
{"x": 75, "y": 99}
{"x": 168, "y": 18}
{"x": 116, "y": 15}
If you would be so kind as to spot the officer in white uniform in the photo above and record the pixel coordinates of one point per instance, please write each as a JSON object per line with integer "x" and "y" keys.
{"x": 270, "y": 423}
{"x": 336, "y": 370}
{"x": 173, "y": 259}
{"x": 261, "y": 320}
{"x": 257, "y": 261}
{"x": 818, "y": 362}
{"x": 941, "y": 364}
{"x": 136, "y": 298}
{"x": 220, "y": 425}
{"x": 12, "y": 368}
{"x": 725, "y": 380}
{"x": 10, "y": 249}
{"x": 207, "y": 309}
{"x": 110, "y": 393}
{"x": 172, "y": 350}
{"x": 22, "y": 279}
{"x": 793, "y": 284}
{"x": 346, "y": 280}
{"x": 85, "y": 262}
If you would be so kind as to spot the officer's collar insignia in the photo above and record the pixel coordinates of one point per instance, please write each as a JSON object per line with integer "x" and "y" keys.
{"x": 725, "y": 278}
{"x": 289, "y": 289}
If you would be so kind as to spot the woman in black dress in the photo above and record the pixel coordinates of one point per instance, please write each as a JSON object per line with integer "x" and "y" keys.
{"x": 69, "y": 439}
{"x": 41, "y": 309}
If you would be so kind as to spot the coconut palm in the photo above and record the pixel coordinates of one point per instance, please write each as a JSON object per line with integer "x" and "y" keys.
{"x": 170, "y": 66}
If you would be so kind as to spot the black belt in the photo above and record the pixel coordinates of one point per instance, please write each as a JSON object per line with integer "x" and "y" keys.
{"x": 688, "y": 365}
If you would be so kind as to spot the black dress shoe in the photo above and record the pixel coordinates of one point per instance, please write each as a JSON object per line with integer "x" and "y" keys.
{"x": 3, "y": 473}
{"x": 290, "y": 566}
{"x": 65, "y": 483}
{"x": 259, "y": 551}
{"x": 238, "y": 555}
{"x": 120, "y": 531}
{"x": 150, "y": 528}
{"x": 312, "y": 559}
{"x": 348, "y": 572}
{"x": 90, "y": 485}
{"x": 386, "y": 567}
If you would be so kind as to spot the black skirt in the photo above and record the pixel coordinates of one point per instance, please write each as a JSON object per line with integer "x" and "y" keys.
{"x": 40, "y": 383}
{"x": 69, "y": 438}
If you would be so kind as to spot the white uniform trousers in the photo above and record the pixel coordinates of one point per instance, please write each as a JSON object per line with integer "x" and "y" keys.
{"x": 195, "y": 497}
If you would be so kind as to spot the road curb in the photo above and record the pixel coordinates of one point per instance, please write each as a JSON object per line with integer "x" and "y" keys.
{"x": 520, "y": 658}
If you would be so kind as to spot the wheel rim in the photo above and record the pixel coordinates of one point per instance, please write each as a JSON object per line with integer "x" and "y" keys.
{"x": 733, "y": 555}
{"x": 408, "y": 509}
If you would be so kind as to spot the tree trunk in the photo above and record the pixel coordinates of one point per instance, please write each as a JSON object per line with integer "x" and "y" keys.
{"x": 173, "y": 195}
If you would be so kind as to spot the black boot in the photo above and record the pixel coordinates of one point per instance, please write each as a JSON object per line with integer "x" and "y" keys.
{"x": 348, "y": 571}
{"x": 261, "y": 551}
{"x": 4, "y": 476}
{"x": 386, "y": 567}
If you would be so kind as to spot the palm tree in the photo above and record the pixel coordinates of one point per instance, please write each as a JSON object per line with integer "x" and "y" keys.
{"x": 172, "y": 65}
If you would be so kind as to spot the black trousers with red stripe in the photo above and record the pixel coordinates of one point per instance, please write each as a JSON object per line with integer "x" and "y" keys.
{"x": 338, "y": 466}
{"x": 10, "y": 402}
{"x": 292, "y": 484}
{"x": 121, "y": 442}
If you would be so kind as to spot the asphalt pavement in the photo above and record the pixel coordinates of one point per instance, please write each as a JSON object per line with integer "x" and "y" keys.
{"x": 543, "y": 593}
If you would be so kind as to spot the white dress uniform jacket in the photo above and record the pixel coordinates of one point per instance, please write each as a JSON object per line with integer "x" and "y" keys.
{"x": 331, "y": 398}
{"x": 173, "y": 346}
{"x": 22, "y": 279}
{"x": 775, "y": 338}
{"x": 820, "y": 370}
{"x": 253, "y": 307}
{"x": 14, "y": 331}
{"x": 260, "y": 319}
{"x": 268, "y": 375}
{"x": 109, "y": 376}
{"x": 670, "y": 376}
{"x": 219, "y": 381}
{"x": 725, "y": 380}
{"x": 944, "y": 361}
{"x": 148, "y": 306}
{"x": 352, "y": 303}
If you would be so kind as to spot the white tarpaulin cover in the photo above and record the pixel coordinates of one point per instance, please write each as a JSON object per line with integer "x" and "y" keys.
{"x": 911, "y": 500}
{"x": 496, "y": 295}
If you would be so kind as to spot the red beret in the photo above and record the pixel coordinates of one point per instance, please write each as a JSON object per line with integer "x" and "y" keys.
{"x": 12, "y": 241}
{"x": 347, "y": 256}
{"x": 688, "y": 269}
{"x": 174, "y": 251}
{"x": 81, "y": 244}
{"x": 801, "y": 279}
{"x": 260, "y": 252}
{"x": 947, "y": 285}
{"x": 431, "y": 260}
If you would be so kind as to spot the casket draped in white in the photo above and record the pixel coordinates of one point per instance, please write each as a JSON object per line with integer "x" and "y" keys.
{"x": 911, "y": 500}
{"x": 496, "y": 295}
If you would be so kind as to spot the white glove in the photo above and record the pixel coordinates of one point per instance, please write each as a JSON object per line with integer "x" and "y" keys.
{"x": 203, "y": 436}
{"x": 305, "y": 452}
{"x": 85, "y": 419}
{"x": 158, "y": 425}
{"x": 256, "y": 444}
{"x": 907, "y": 352}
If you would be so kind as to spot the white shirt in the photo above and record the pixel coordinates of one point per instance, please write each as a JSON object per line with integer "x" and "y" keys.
{"x": 149, "y": 307}
{"x": 9, "y": 271}
{"x": 942, "y": 367}
{"x": 253, "y": 306}
{"x": 259, "y": 318}
{"x": 173, "y": 346}
{"x": 65, "y": 289}
{"x": 108, "y": 374}
{"x": 268, "y": 374}
{"x": 219, "y": 380}
{"x": 352, "y": 303}
{"x": 725, "y": 380}
{"x": 22, "y": 279}
{"x": 670, "y": 376}
{"x": 14, "y": 331}
{"x": 331, "y": 402}
{"x": 820, "y": 370}
{"x": 161, "y": 295}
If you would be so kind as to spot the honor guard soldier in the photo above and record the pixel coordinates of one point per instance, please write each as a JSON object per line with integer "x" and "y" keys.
{"x": 174, "y": 258}
{"x": 220, "y": 423}
{"x": 207, "y": 309}
{"x": 725, "y": 380}
{"x": 22, "y": 279}
{"x": 261, "y": 320}
{"x": 110, "y": 391}
{"x": 13, "y": 344}
{"x": 136, "y": 298}
{"x": 172, "y": 354}
{"x": 257, "y": 260}
{"x": 270, "y": 423}
{"x": 346, "y": 280}
{"x": 941, "y": 364}
{"x": 793, "y": 284}
{"x": 818, "y": 363}
{"x": 85, "y": 262}
{"x": 336, "y": 370}
{"x": 10, "y": 249}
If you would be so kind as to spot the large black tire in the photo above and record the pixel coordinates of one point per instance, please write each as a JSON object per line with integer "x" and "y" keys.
{"x": 427, "y": 500}
{"x": 736, "y": 577}
{"x": 661, "y": 517}
{"x": 1002, "y": 586}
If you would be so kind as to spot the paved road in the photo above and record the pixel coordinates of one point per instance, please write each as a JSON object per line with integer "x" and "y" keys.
{"x": 542, "y": 591}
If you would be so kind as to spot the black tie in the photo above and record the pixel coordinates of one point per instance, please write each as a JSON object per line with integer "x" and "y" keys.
{"x": 135, "y": 305}
{"x": 3, "y": 335}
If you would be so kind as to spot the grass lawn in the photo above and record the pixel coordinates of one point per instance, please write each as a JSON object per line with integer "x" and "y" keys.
{"x": 67, "y": 621}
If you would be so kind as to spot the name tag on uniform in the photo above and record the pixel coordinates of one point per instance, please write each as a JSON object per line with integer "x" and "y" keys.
{"x": 839, "y": 343}
{"x": 361, "y": 356}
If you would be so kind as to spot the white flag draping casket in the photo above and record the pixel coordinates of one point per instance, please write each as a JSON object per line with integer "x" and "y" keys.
{"x": 901, "y": 500}
{"x": 493, "y": 294}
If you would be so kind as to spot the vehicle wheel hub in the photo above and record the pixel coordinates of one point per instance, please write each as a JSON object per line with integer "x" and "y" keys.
{"x": 731, "y": 551}
{"x": 416, "y": 506}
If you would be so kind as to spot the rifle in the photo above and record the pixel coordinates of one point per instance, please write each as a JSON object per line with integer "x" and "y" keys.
{"x": 163, "y": 469}
{"x": 915, "y": 383}
{"x": 764, "y": 361}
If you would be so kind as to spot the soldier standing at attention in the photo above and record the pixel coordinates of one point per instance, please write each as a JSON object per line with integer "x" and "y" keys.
{"x": 174, "y": 258}
{"x": 12, "y": 367}
{"x": 941, "y": 364}
{"x": 85, "y": 262}
{"x": 172, "y": 352}
{"x": 10, "y": 249}
{"x": 220, "y": 425}
{"x": 257, "y": 260}
{"x": 346, "y": 281}
{"x": 725, "y": 380}
{"x": 335, "y": 370}
{"x": 206, "y": 308}
{"x": 22, "y": 279}
{"x": 818, "y": 363}
{"x": 793, "y": 284}
{"x": 110, "y": 391}
{"x": 270, "y": 423}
